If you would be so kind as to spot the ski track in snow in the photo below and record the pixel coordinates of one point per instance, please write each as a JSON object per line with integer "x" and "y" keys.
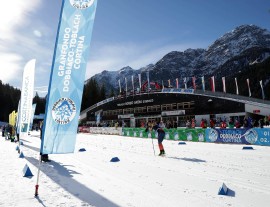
{"x": 189, "y": 175}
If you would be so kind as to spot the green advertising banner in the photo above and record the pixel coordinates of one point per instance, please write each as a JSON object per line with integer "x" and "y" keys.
{"x": 195, "y": 135}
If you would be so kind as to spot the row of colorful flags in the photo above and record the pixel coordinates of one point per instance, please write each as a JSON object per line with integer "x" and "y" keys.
{"x": 194, "y": 86}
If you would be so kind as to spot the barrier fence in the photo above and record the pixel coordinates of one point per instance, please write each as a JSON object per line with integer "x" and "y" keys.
{"x": 195, "y": 135}
{"x": 254, "y": 136}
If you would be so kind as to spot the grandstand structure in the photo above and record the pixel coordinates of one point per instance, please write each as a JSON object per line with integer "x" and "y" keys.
{"x": 175, "y": 106}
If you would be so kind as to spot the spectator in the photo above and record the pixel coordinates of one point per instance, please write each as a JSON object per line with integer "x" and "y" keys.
{"x": 3, "y": 130}
{"x": 245, "y": 123}
{"x": 250, "y": 121}
{"x": 266, "y": 120}
{"x": 188, "y": 124}
{"x": 255, "y": 123}
{"x": 223, "y": 125}
{"x": 193, "y": 123}
{"x": 237, "y": 124}
{"x": 231, "y": 124}
{"x": 203, "y": 123}
{"x": 161, "y": 124}
{"x": 261, "y": 123}
{"x": 212, "y": 123}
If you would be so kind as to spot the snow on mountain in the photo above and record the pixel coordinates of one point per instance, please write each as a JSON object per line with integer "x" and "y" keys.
{"x": 245, "y": 45}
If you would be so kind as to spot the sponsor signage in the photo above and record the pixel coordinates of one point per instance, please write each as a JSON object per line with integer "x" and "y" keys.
{"x": 68, "y": 70}
{"x": 136, "y": 102}
{"x": 126, "y": 116}
{"x": 172, "y": 113}
{"x": 255, "y": 136}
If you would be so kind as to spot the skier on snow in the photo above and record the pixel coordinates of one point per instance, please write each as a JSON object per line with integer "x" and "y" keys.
{"x": 159, "y": 128}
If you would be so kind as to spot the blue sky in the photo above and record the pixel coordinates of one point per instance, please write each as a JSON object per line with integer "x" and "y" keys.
{"x": 126, "y": 32}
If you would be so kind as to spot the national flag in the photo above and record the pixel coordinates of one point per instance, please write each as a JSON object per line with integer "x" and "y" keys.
{"x": 132, "y": 80}
{"x": 236, "y": 85}
{"x": 224, "y": 84}
{"x": 203, "y": 84}
{"x": 140, "y": 81}
{"x": 194, "y": 82}
{"x": 119, "y": 83}
{"x": 185, "y": 82}
{"x": 213, "y": 88}
{"x": 126, "y": 83}
{"x": 261, "y": 84}
{"x": 249, "y": 92}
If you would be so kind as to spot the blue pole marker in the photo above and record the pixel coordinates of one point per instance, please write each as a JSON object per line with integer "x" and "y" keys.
{"x": 82, "y": 150}
{"x": 27, "y": 172}
{"x": 21, "y": 155}
{"x": 223, "y": 190}
{"x": 67, "y": 76}
{"x": 247, "y": 148}
{"x": 115, "y": 159}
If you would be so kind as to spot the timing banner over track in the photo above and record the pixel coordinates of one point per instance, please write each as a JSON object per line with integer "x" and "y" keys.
{"x": 67, "y": 76}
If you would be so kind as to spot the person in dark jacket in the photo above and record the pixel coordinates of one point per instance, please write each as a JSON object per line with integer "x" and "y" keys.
{"x": 161, "y": 134}
{"x": 3, "y": 130}
{"x": 261, "y": 123}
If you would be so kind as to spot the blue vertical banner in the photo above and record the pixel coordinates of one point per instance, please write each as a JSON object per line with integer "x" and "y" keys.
{"x": 32, "y": 116}
{"x": 27, "y": 97}
{"x": 67, "y": 76}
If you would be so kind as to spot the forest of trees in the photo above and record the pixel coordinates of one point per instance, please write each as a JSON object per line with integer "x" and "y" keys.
{"x": 9, "y": 99}
{"x": 93, "y": 93}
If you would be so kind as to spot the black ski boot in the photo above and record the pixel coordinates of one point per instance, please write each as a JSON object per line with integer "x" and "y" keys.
{"x": 162, "y": 152}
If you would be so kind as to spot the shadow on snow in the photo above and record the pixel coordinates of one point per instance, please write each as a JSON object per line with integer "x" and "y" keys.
{"x": 187, "y": 159}
{"x": 61, "y": 175}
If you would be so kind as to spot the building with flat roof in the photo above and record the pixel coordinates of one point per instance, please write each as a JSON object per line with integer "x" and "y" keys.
{"x": 173, "y": 106}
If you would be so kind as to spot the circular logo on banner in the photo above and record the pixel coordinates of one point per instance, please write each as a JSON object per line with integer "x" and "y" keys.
{"x": 176, "y": 136}
{"x": 63, "y": 111}
{"x": 200, "y": 137}
{"x": 81, "y": 4}
{"x": 251, "y": 136}
{"x": 189, "y": 136}
{"x": 213, "y": 135}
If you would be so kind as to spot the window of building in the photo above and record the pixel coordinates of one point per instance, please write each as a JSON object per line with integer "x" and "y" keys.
{"x": 128, "y": 111}
{"x": 140, "y": 109}
{"x": 155, "y": 108}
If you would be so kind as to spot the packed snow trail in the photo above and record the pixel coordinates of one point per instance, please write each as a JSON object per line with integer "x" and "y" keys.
{"x": 189, "y": 175}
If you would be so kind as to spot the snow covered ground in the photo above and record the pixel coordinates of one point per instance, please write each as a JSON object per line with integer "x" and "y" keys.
{"x": 189, "y": 175}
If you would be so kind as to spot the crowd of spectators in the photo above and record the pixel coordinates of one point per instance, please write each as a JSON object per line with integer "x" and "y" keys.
{"x": 247, "y": 122}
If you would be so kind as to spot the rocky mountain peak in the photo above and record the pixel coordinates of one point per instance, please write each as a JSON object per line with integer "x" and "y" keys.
{"x": 233, "y": 50}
